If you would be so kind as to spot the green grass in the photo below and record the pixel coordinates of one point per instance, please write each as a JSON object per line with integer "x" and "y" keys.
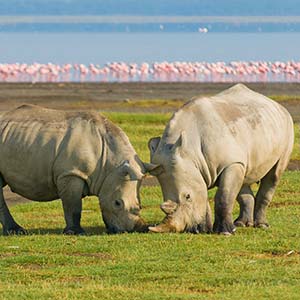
{"x": 140, "y": 128}
{"x": 253, "y": 264}
{"x": 296, "y": 149}
{"x": 283, "y": 98}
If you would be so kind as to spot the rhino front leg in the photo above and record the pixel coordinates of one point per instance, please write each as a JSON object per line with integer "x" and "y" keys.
{"x": 230, "y": 182}
{"x": 70, "y": 190}
{"x": 8, "y": 223}
{"x": 246, "y": 201}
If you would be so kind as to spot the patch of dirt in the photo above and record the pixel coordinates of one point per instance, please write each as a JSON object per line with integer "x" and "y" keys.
{"x": 13, "y": 198}
{"x": 150, "y": 181}
{"x": 270, "y": 255}
{"x": 122, "y": 96}
{"x": 274, "y": 254}
{"x": 294, "y": 165}
{"x": 30, "y": 266}
{"x": 284, "y": 204}
{"x": 7, "y": 254}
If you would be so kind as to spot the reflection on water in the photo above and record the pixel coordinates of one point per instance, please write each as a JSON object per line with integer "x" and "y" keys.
{"x": 255, "y": 71}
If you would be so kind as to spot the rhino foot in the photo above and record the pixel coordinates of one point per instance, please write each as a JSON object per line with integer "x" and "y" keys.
{"x": 261, "y": 225}
{"x": 243, "y": 223}
{"x": 74, "y": 231}
{"x": 16, "y": 230}
{"x": 224, "y": 228}
{"x": 201, "y": 228}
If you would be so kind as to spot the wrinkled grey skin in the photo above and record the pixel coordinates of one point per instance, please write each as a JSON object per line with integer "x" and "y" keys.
{"x": 47, "y": 154}
{"x": 230, "y": 140}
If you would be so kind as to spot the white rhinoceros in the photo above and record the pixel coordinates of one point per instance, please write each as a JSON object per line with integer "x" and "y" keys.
{"x": 47, "y": 154}
{"x": 231, "y": 140}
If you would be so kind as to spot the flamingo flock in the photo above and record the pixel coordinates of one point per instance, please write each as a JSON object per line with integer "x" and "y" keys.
{"x": 252, "y": 71}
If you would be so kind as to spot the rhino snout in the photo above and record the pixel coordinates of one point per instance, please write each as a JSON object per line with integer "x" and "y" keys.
{"x": 180, "y": 221}
{"x": 139, "y": 226}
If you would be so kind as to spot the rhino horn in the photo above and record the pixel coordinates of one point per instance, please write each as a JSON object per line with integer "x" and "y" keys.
{"x": 141, "y": 226}
{"x": 181, "y": 143}
{"x": 162, "y": 228}
{"x": 153, "y": 169}
{"x": 168, "y": 207}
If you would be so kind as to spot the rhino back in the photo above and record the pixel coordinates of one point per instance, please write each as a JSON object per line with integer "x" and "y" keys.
{"x": 33, "y": 138}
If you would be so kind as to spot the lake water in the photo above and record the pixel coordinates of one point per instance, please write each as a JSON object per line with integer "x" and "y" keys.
{"x": 138, "y": 47}
{"x": 100, "y": 48}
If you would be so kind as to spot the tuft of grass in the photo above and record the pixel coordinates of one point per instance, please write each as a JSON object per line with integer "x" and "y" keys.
{"x": 153, "y": 103}
{"x": 284, "y": 98}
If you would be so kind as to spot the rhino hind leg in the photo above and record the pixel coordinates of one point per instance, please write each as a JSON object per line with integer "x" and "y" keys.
{"x": 266, "y": 192}
{"x": 230, "y": 183}
{"x": 8, "y": 223}
{"x": 246, "y": 201}
{"x": 70, "y": 190}
{"x": 208, "y": 219}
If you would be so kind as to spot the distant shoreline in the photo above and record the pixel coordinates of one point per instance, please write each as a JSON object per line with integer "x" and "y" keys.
{"x": 142, "y": 23}
{"x": 121, "y": 19}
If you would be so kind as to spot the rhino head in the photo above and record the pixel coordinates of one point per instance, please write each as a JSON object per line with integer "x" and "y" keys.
{"x": 120, "y": 201}
{"x": 184, "y": 190}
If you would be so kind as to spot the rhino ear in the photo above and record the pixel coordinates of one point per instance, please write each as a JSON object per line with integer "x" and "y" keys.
{"x": 127, "y": 169}
{"x": 154, "y": 169}
{"x": 181, "y": 143}
{"x": 153, "y": 144}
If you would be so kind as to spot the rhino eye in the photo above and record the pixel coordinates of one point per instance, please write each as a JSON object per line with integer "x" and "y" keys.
{"x": 118, "y": 203}
{"x": 188, "y": 197}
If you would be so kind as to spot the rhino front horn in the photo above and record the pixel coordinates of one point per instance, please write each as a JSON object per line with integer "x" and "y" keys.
{"x": 162, "y": 228}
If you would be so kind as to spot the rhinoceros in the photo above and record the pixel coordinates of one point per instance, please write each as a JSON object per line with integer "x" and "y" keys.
{"x": 231, "y": 140}
{"x": 48, "y": 154}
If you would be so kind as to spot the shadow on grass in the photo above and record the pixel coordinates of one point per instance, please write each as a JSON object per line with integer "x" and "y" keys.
{"x": 90, "y": 231}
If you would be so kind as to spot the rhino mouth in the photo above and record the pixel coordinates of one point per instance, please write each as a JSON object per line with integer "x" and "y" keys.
{"x": 140, "y": 226}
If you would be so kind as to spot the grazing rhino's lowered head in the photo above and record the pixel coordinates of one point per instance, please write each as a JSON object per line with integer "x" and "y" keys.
{"x": 120, "y": 200}
{"x": 184, "y": 191}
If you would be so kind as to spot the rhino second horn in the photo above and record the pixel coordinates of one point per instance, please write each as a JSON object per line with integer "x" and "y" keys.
{"x": 168, "y": 207}
{"x": 162, "y": 228}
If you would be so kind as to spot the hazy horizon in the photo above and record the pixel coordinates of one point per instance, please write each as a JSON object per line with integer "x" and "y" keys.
{"x": 134, "y": 23}
{"x": 149, "y": 16}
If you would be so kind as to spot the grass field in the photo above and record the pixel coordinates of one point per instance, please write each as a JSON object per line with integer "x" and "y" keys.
{"x": 253, "y": 264}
